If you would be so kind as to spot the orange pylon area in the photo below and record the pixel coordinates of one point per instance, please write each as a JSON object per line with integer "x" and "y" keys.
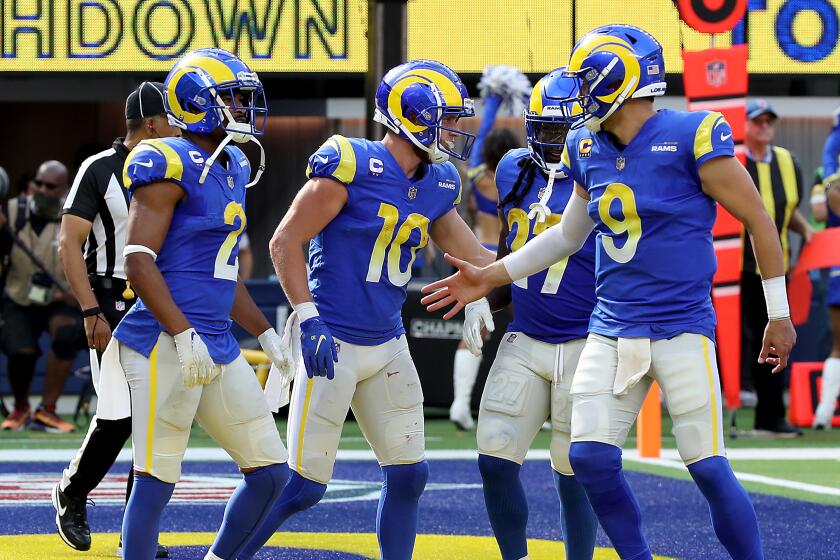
{"x": 649, "y": 425}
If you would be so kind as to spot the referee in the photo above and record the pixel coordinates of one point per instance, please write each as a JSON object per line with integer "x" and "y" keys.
{"x": 778, "y": 178}
{"x": 94, "y": 218}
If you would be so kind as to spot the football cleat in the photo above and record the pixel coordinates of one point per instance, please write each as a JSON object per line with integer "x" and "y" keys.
{"x": 71, "y": 519}
{"x": 162, "y": 551}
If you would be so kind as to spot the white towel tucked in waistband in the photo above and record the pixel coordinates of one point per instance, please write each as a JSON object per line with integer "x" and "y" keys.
{"x": 633, "y": 363}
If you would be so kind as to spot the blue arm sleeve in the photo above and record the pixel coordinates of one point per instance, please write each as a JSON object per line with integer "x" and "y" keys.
{"x": 488, "y": 117}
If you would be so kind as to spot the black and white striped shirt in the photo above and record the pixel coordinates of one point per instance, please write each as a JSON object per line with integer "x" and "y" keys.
{"x": 98, "y": 196}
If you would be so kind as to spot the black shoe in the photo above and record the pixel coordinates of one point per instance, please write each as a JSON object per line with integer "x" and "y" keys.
{"x": 781, "y": 430}
{"x": 162, "y": 551}
{"x": 71, "y": 519}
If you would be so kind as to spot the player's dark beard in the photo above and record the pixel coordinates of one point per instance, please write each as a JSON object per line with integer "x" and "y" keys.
{"x": 424, "y": 156}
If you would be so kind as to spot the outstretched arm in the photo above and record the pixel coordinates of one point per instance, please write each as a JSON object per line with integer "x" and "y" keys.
{"x": 471, "y": 283}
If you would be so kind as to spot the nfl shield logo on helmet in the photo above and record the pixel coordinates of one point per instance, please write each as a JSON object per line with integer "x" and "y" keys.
{"x": 619, "y": 162}
{"x": 412, "y": 192}
{"x": 716, "y": 73}
{"x": 541, "y": 193}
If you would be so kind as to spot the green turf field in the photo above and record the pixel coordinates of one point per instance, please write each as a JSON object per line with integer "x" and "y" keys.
{"x": 786, "y": 472}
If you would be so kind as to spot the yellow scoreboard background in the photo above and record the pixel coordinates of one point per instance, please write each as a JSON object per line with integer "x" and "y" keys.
{"x": 785, "y": 36}
{"x": 537, "y": 35}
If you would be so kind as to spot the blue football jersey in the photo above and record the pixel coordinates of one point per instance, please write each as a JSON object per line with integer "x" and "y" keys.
{"x": 198, "y": 259}
{"x": 831, "y": 165}
{"x": 361, "y": 261}
{"x": 654, "y": 253}
{"x": 553, "y": 305}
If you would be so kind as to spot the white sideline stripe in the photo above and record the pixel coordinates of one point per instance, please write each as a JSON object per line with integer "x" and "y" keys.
{"x": 215, "y": 454}
{"x": 749, "y": 477}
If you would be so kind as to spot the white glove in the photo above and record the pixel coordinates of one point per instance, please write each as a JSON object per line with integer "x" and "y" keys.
{"x": 196, "y": 364}
{"x": 477, "y": 316}
{"x": 279, "y": 353}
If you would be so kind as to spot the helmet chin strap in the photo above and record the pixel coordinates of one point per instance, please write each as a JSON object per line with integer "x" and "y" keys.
{"x": 238, "y": 135}
{"x": 594, "y": 125}
{"x": 540, "y": 209}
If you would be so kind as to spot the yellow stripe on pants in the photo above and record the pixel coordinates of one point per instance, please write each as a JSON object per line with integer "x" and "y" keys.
{"x": 150, "y": 428}
{"x": 712, "y": 393}
{"x": 303, "y": 415}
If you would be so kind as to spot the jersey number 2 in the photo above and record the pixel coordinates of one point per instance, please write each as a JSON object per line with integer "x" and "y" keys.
{"x": 391, "y": 216}
{"x": 223, "y": 270}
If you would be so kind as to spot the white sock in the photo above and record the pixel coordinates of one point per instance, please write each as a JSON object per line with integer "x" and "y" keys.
{"x": 828, "y": 394}
{"x": 211, "y": 556}
{"x": 465, "y": 372}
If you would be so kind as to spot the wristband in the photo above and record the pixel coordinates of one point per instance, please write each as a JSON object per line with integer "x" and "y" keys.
{"x": 91, "y": 312}
{"x": 306, "y": 310}
{"x": 775, "y": 296}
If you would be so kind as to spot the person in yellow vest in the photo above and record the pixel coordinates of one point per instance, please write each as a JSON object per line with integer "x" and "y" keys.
{"x": 778, "y": 178}
{"x": 33, "y": 304}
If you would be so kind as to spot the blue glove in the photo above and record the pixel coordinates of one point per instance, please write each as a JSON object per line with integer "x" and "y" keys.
{"x": 318, "y": 348}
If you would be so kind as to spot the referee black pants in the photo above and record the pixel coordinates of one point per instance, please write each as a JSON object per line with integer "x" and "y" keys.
{"x": 105, "y": 438}
{"x": 769, "y": 386}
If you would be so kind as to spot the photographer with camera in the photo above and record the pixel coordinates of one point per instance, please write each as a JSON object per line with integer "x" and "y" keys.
{"x": 35, "y": 299}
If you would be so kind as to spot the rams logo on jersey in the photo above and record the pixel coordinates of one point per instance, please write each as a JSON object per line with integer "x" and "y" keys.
{"x": 585, "y": 147}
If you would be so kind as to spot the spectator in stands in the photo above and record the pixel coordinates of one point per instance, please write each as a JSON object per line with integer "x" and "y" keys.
{"x": 778, "y": 178}
{"x": 36, "y": 300}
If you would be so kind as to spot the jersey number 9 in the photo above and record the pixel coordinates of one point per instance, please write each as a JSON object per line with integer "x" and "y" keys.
{"x": 629, "y": 224}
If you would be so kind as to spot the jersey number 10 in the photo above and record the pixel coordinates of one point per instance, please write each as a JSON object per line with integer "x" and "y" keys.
{"x": 391, "y": 215}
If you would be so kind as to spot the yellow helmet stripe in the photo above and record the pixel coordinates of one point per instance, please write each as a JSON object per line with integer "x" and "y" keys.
{"x": 535, "y": 106}
{"x": 181, "y": 113}
{"x": 589, "y": 45}
{"x": 449, "y": 91}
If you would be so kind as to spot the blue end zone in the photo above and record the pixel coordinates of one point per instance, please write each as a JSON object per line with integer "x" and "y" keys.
{"x": 675, "y": 514}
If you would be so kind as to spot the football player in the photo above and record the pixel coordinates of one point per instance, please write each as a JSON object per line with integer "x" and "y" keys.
{"x": 533, "y": 370}
{"x": 831, "y": 204}
{"x": 499, "y": 85}
{"x": 175, "y": 345}
{"x": 647, "y": 182}
{"x": 366, "y": 210}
